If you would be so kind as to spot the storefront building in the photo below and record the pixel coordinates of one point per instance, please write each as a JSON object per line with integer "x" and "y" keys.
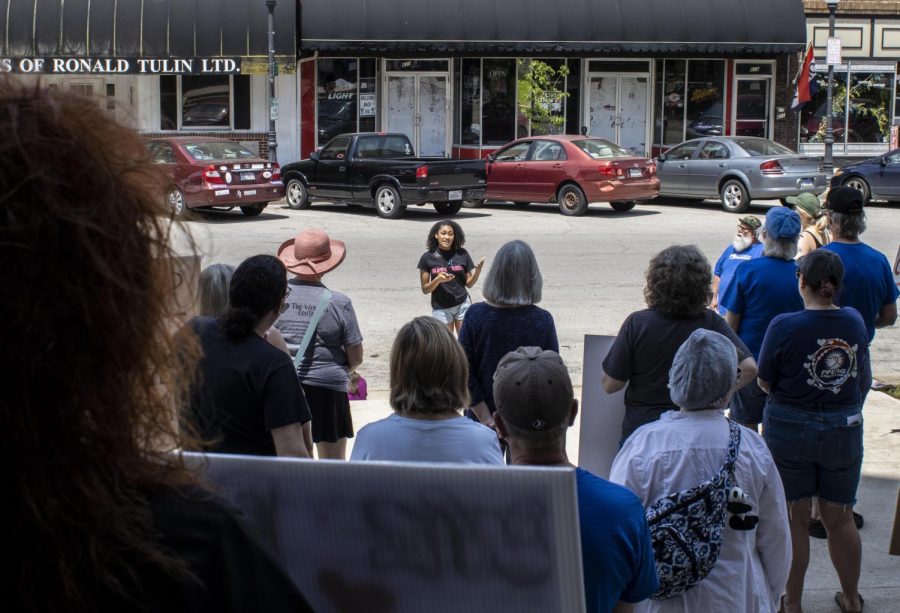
{"x": 865, "y": 84}
{"x": 185, "y": 67}
{"x": 642, "y": 73}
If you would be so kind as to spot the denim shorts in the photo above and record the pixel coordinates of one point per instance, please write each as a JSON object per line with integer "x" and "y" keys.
{"x": 818, "y": 453}
{"x": 448, "y": 316}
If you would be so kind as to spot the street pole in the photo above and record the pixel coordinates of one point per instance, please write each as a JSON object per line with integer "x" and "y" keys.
{"x": 272, "y": 142}
{"x": 828, "y": 162}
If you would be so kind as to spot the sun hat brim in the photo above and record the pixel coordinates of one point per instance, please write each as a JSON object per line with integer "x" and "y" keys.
{"x": 308, "y": 266}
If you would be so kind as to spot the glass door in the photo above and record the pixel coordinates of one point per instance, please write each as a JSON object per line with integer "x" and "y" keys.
{"x": 752, "y": 106}
{"x": 617, "y": 107}
{"x": 417, "y": 106}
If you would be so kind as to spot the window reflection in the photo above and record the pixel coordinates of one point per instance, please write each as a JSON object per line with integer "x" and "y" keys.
{"x": 206, "y": 101}
{"x": 498, "y": 102}
{"x": 337, "y": 97}
{"x": 705, "y": 99}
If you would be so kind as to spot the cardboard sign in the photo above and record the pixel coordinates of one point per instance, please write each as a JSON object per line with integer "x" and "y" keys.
{"x": 601, "y": 413}
{"x": 385, "y": 537}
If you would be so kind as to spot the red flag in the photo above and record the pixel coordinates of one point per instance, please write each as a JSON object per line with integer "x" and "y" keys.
{"x": 803, "y": 94}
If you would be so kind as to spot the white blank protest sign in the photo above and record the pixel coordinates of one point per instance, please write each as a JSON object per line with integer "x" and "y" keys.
{"x": 385, "y": 537}
{"x": 601, "y": 413}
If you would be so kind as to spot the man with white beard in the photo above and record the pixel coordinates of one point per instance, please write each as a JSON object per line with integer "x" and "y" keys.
{"x": 745, "y": 246}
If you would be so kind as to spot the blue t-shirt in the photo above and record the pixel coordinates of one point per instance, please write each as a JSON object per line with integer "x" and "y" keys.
{"x": 761, "y": 289}
{"x": 488, "y": 333}
{"x": 616, "y": 552}
{"x": 816, "y": 359}
{"x": 728, "y": 263}
{"x": 868, "y": 281}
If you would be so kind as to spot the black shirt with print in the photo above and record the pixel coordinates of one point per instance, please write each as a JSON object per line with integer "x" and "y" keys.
{"x": 452, "y": 293}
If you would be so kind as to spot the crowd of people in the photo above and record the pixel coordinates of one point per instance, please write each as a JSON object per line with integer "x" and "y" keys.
{"x": 102, "y": 513}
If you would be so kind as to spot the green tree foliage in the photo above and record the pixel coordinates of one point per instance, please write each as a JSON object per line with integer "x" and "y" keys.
{"x": 541, "y": 92}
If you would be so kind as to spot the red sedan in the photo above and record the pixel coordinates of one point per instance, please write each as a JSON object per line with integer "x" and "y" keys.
{"x": 216, "y": 172}
{"x": 571, "y": 170}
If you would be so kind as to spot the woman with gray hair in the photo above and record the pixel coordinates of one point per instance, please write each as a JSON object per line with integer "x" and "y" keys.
{"x": 507, "y": 320}
{"x": 686, "y": 447}
{"x": 215, "y": 281}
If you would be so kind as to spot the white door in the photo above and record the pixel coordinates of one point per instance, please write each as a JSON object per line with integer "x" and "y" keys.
{"x": 617, "y": 109}
{"x": 417, "y": 106}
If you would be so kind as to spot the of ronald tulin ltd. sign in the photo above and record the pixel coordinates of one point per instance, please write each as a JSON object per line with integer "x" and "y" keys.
{"x": 112, "y": 65}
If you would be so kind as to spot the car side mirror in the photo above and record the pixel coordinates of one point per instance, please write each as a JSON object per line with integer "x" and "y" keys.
{"x": 491, "y": 157}
{"x": 661, "y": 157}
{"x": 314, "y": 155}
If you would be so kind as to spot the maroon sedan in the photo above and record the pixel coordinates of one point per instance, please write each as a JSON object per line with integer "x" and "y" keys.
{"x": 571, "y": 170}
{"x": 216, "y": 172}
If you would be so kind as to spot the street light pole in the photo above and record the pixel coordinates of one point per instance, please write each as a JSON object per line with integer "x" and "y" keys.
{"x": 828, "y": 161}
{"x": 272, "y": 142}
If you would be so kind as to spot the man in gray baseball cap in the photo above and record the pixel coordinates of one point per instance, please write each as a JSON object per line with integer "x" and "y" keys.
{"x": 535, "y": 406}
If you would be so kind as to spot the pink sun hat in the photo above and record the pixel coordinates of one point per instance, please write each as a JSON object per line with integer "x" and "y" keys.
{"x": 311, "y": 253}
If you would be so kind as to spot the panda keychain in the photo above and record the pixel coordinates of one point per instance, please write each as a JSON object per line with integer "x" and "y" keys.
{"x": 739, "y": 506}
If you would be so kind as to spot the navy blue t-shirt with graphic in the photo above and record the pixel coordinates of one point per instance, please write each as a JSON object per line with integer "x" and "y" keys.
{"x": 817, "y": 359}
{"x": 458, "y": 263}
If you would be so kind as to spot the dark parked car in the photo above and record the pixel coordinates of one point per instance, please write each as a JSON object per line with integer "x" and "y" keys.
{"x": 381, "y": 170}
{"x": 572, "y": 171}
{"x": 216, "y": 173}
{"x": 737, "y": 169}
{"x": 877, "y": 178}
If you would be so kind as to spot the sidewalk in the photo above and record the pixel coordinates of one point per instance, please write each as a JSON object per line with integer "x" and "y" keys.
{"x": 880, "y": 582}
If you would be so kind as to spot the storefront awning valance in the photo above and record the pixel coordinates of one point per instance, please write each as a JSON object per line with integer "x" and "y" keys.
{"x": 553, "y": 26}
{"x": 144, "y": 28}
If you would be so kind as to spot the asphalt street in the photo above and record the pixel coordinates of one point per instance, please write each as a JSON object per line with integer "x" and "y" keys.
{"x": 593, "y": 266}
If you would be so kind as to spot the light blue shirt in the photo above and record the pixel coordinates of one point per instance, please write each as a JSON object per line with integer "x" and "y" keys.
{"x": 457, "y": 440}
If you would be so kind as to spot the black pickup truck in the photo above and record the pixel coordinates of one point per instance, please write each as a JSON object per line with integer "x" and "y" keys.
{"x": 380, "y": 170}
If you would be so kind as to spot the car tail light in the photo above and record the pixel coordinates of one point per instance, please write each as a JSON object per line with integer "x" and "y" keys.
{"x": 772, "y": 167}
{"x": 276, "y": 172}
{"x": 211, "y": 175}
{"x": 422, "y": 172}
{"x": 608, "y": 170}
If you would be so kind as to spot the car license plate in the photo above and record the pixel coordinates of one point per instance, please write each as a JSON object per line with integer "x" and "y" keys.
{"x": 635, "y": 173}
{"x": 248, "y": 176}
{"x": 455, "y": 195}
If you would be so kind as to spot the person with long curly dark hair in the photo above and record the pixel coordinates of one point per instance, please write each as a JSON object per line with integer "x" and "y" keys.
{"x": 446, "y": 271}
{"x": 677, "y": 293}
{"x": 247, "y": 399}
{"x": 99, "y": 513}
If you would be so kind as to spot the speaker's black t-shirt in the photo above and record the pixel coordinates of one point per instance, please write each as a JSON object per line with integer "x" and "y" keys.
{"x": 452, "y": 293}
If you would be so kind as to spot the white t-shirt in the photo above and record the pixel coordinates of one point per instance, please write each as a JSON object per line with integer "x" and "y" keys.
{"x": 457, "y": 440}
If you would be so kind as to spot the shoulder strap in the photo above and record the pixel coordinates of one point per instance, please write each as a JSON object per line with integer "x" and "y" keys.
{"x": 734, "y": 444}
{"x": 814, "y": 237}
{"x": 324, "y": 299}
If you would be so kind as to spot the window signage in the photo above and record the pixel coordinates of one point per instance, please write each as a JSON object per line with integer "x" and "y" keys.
{"x": 114, "y": 65}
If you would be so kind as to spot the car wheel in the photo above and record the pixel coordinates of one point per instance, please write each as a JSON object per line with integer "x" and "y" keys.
{"x": 176, "y": 201}
{"x": 859, "y": 184}
{"x": 252, "y": 211}
{"x": 387, "y": 202}
{"x": 622, "y": 205}
{"x": 448, "y": 208}
{"x": 735, "y": 198}
{"x": 571, "y": 200}
{"x": 521, "y": 204}
{"x": 473, "y": 204}
{"x": 296, "y": 194}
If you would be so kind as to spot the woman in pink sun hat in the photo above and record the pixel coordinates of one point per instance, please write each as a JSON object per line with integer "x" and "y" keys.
{"x": 321, "y": 325}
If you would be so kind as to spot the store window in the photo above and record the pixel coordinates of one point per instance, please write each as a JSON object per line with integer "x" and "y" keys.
{"x": 498, "y": 101}
{"x": 204, "y": 102}
{"x": 470, "y": 102}
{"x": 551, "y": 118}
{"x": 368, "y": 100}
{"x": 867, "y": 117}
{"x": 337, "y": 97}
{"x": 689, "y": 100}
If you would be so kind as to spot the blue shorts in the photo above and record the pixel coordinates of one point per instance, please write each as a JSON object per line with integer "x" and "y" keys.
{"x": 818, "y": 453}
{"x": 448, "y": 316}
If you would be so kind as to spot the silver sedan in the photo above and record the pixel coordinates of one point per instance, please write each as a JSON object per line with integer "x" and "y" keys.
{"x": 737, "y": 169}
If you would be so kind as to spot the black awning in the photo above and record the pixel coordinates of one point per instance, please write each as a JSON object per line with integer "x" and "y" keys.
{"x": 553, "y": 26}
{"x": 144, "y": 28}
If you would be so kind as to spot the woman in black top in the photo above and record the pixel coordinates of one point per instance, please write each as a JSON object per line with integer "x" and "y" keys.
{"x": 446, "y": 271}
{"x": 99, "y": 513}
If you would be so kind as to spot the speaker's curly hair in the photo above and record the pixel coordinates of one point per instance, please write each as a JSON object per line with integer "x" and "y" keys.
{"x": 90, "y": 349}
{"x": 679, "y": 282}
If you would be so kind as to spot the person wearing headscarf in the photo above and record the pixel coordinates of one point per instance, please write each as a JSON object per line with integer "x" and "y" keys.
{"x": 688, "y": 446}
